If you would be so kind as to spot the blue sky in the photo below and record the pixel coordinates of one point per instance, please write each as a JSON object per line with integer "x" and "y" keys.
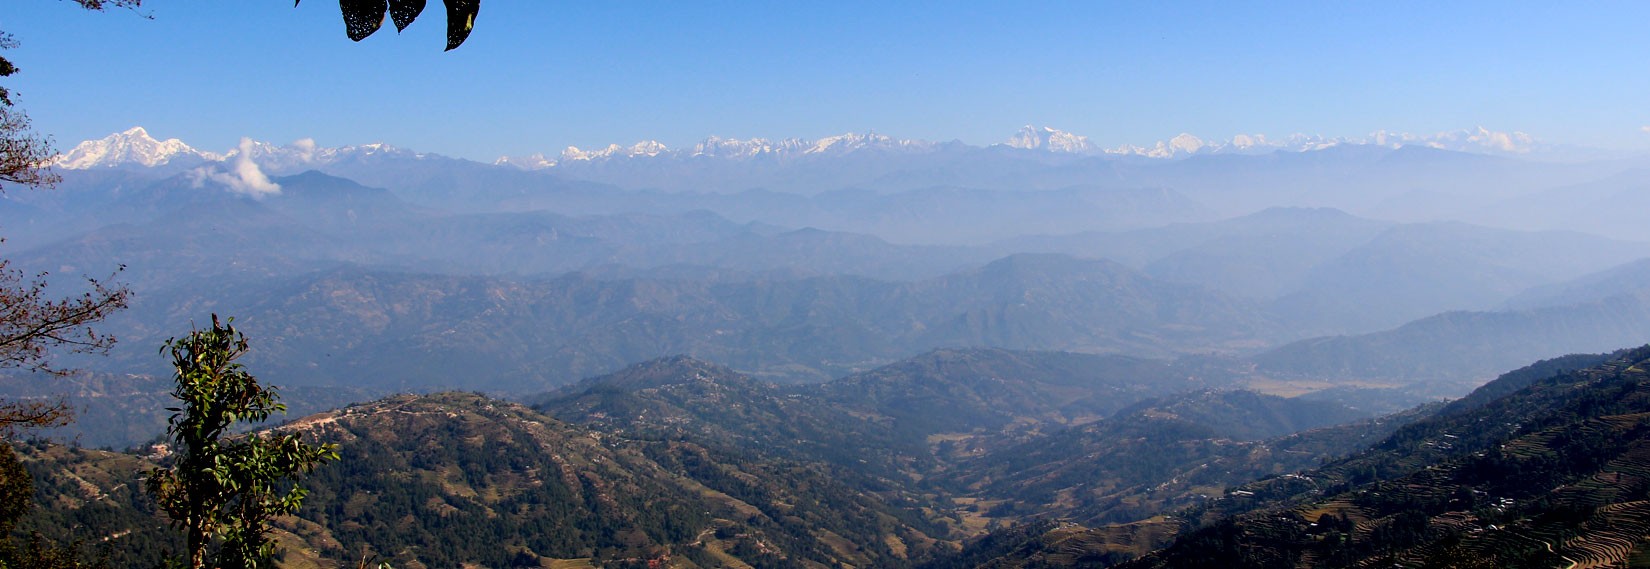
{"x": 539, "y": 75}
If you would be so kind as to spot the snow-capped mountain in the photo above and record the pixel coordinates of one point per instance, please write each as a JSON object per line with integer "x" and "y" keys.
{"x": 852, "y": 142}
{"x": 717, "y": 147}
{"x": 304, "y": 154}
{"x": 134, "y": 147}
{"x": 1477, "y": 140}
{"x": 1185, "y": 144}
{"x": 1051, "y": 139}
{"x": 1181, "y": 145}
{"x": 534, "y": 161}
{"x": 643, "y": 148}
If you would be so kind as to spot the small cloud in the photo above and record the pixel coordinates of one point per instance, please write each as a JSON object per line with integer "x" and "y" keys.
{"x": 305, "y": 148}
{"x": 1645, "y": 128}
{"x": 242, "y": 176}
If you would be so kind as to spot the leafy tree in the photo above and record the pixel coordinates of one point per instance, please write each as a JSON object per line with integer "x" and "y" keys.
{"x": 225, "y": 491}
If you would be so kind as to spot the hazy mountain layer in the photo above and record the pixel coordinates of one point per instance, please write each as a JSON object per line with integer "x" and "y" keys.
{"x": 1466, "y": 346}
{"x": 395, "y": 330}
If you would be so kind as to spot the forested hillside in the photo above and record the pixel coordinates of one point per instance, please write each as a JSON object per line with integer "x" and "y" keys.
{"x": 687, "y": 462}
{"x": 1543, "y": 469}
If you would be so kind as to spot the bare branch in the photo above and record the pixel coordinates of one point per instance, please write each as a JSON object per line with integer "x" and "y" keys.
{"x": 32, "y": 324}
{"x": 19, "y": 416}
{"x": 25, "y": 157}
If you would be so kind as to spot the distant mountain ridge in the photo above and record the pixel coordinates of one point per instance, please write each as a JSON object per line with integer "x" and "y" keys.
{"x": 134, "y": 147}
{"x": 1401, "y": 178}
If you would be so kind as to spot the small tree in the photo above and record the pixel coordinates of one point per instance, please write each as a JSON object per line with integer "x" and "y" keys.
{"x": 226, "y": 490}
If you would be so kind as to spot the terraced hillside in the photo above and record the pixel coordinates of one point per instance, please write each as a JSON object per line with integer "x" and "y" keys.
{"x": 1165, "y": 454}
{"x": 1555, "y": 474}
{"x": 1548, "y": 466}
{"x": 457, "y": 479}
{"x": 685, "y": 463}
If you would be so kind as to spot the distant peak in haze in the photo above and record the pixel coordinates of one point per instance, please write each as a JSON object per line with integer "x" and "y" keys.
{"x": 1478, "y": 140}
{"x": 305, "y": 154}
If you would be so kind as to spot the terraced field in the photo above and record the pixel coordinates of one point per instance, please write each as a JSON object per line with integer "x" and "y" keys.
{"x": 1556, "y": 474}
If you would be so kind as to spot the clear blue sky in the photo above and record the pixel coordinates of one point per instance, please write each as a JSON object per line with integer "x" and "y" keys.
{"x": 540, "y": 75}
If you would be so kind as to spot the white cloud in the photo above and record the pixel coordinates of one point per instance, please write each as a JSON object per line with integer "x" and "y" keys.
{"x": 1645, "y": 128}
{"x": 305, "y": 148}
{"x": 241, "y": 175}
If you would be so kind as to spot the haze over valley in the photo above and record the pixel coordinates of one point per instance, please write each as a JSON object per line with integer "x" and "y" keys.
{"x": 379, "y": 270}
{"x": 759, "y": 285}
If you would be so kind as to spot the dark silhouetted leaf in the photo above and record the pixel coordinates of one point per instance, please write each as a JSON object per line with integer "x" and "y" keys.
{"x": 461, "y": 18}
{"x": 403, "y": 12}
{"x": 362, "y": 17}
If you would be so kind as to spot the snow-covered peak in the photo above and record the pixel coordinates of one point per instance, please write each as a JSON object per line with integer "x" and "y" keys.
{"x": 1478, "y": 140}
{"x": 643, "y": 148}
{"x": 1180, "y": 146}
{"x": 719, "y": 147}
{"x": 304, "y": 154}
{"x": 1245, "y": 142}
{"x": 853, "y": 141}
{"x": 280, "y": 158}
{"x": 1051, "y": 139}
{"x": 1185, "y": 143}
{"x": 134, "y": 147}
{"x": 534, "y": 161}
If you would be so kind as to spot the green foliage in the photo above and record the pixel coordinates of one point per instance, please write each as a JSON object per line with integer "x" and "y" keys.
{"x": 116, "y": 524}
{"x": 15, "y": 490}
{"x": 36, "y": 551}
{"x": 227, "y": 491}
